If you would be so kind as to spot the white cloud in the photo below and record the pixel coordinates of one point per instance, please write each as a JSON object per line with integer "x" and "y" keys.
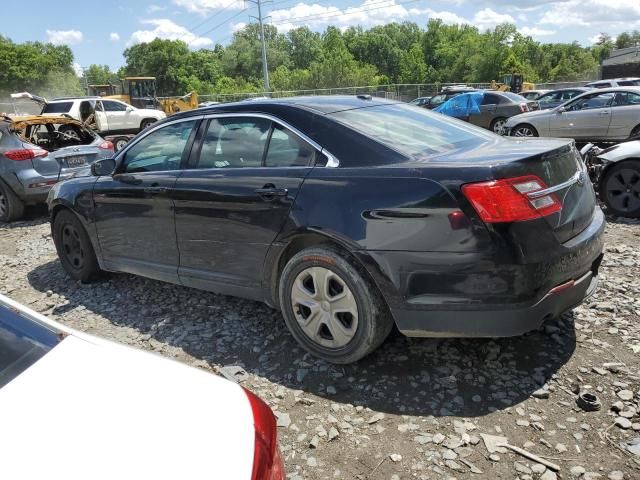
{"x": 235, "y": 27}
{"x": 536, "y": 32}
{"x": 204, "y": 7}
{"x": 488, "y": 18}
{"x": 168, "y": 30}
{"x": 77, "y": 69}
{"x": 153, "y": 8}
{"x": 449, "y": 18}
{"x": 593, "y": 13}
{"x": 64, "y": 37}
{"x": 114, "y": 36}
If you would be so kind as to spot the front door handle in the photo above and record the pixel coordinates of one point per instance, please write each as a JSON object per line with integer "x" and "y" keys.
{"x": 271, "y": 191}
{"x": 604, "y": 113}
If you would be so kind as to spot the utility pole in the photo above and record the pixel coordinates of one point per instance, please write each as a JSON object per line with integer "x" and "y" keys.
{"x": 265, "y": 69}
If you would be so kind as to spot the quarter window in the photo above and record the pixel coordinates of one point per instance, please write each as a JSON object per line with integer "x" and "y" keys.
{"x": 160, "y": 150}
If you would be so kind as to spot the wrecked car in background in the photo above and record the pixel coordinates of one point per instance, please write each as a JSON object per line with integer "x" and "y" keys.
{"x": 37, "y": 152}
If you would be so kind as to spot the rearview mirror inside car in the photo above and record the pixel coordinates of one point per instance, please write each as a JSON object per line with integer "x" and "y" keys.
{"x": 103, "y": 167}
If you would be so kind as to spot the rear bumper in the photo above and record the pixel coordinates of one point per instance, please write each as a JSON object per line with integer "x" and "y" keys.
{"x": 33, "y": 187}
{"x": 507, "y": 322}
{"x": 439, "y": 294}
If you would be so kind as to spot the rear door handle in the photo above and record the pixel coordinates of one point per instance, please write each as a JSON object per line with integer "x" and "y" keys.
{"x": 272, "y": 191}
{"x": 156, "y": 190}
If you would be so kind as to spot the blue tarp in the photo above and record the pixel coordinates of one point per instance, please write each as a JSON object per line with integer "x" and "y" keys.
{"x": 463, "y": 105}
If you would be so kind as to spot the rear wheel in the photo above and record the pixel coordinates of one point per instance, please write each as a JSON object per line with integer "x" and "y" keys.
{"x": 331, "y": 308}
{"x": 620, "y": 189}
{"x": 11, "y": 207}
{"x": 119, "y": 143}
{"x": 147, "y": 122}
{"x": 74, "y": 247}
{"x": 524, "y": 130}
{"x": 497, "y": 126}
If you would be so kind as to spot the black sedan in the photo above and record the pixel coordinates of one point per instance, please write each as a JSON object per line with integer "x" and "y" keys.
{"x": 349, "y": 214}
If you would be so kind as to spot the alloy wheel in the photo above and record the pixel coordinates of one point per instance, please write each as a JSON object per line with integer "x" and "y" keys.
{"x": 324, "y": 307}
{"x": 522, "y": 132}
{"x": 623, "y": 190}
{"x": 498, "y": 126}
{"x": 72, "y": 246}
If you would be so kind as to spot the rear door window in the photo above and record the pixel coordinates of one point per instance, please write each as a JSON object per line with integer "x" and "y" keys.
{"x": 234, "y": 143}
{"x": 626, "y": 98}
{"x": 58, "y": 107}
{"x": 490, "y": 99}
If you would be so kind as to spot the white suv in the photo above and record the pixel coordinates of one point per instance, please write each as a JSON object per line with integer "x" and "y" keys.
{"x": 615, "y": 82}
{"x": 111, "y": 116}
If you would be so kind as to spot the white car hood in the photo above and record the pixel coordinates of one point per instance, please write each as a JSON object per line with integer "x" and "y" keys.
{"x": 93, "y": 409}
{"x": 151, "y": 112}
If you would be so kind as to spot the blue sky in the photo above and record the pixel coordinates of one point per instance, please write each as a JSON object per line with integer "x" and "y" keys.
{"x": 98, "y": 32}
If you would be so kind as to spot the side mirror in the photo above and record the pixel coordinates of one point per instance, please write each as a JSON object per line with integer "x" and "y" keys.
{"x": 103, "y": 167}
{"x": 561, "y": 110}
{"x": 129, "y": 109}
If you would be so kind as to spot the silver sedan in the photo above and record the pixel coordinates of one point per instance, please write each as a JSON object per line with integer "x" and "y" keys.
{"x": 611, "y": 114}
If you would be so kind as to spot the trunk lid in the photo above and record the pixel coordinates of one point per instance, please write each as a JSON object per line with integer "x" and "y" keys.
{"x": 556, "y": 162}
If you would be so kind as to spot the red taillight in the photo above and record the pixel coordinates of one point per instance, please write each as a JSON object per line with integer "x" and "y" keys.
{"x": 106, "y": 145}
{"x": 22, "y": 154}
{"x": 524, "y": 107}
{"x": 508, "y": 200}
{"x": 267, "y": 460}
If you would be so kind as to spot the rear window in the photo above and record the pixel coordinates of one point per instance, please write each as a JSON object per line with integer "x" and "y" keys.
{"x": 59, "y": 107}
{"x": 514, "y": 96}
{"x": 414, "y": 132}
{"x": 629, "y": 83}
{"x": 22, "y": 343}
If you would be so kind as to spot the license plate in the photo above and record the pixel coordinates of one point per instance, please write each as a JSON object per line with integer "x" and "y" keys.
{"x": 76, "y": 161}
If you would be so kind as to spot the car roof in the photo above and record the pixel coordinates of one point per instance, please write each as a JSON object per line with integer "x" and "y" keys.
{"x": 63, "y": 99}
{"x": 323, "y": 104}
{"x": 631, "y": 88}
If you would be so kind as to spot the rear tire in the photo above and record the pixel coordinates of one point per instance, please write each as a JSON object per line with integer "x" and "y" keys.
{"x": 11, "y": 207}
{"x": 74, "y": 247}
{"x": 147, "y": 122}
{"x": 620, "y": 189}
{"x": 331, "y": 307}
{"x": 524, "y": 130}
{"x": 497, "y": 125}
{"x": 119, "y": 143}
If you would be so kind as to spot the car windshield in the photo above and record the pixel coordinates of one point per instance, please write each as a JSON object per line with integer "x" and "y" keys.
{"x": 412, "y": 131}
{"x": 60, "y": 107}
{"x": 22, "y": 343}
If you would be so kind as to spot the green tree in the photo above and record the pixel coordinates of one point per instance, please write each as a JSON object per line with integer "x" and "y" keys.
{"x": 412, "y": 66}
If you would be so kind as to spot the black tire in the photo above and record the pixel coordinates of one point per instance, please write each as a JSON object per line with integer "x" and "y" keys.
{"x": 524, "y": 130}
{"x": 635, "y": 133}
{"x": 147, "y": 122}
{"x": 119, "y": 143}
{"x": 373, "y": 321}
{"x": 74, "y": 247}
{"x": 11, "y": 207}
{"x": 620, "y": 189}
{"x": 497, "y": 125}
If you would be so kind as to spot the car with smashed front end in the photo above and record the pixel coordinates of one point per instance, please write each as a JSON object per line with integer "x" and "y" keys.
{"x": 349, "y": 214}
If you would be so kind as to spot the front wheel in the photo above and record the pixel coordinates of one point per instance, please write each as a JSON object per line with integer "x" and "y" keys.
{"x": 620, "y": 189}
{"x": 146, "y": 123}
{"x": 524, "y": 131}
{"x": 330, "y": 306}
{"x": 74, "y": 247}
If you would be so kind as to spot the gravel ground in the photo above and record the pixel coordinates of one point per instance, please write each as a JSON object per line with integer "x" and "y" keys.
{"x": 416, "y": 408}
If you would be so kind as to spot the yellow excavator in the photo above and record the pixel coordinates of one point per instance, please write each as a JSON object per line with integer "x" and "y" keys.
{"x": 512, "y": 83}
{"x": 141, "y": 93}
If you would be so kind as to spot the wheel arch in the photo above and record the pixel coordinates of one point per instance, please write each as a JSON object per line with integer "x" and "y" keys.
{"x": 146, "y": 119}
{"x": 307, "y": 239}
{"x": 63, "y": 205}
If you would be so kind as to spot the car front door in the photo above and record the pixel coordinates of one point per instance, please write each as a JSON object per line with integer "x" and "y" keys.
{"x": 625, "y": 115}
{"x": 233, "y": 204}
{"x": 117, "y": 115}
{"x": 134, "y": 211}
{"x": 586, "y": 118}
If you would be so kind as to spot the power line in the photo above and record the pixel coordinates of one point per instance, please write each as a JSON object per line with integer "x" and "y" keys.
{"x": 208, "y": 19}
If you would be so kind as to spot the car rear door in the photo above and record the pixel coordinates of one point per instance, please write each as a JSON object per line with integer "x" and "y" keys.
{"x": 134, "y": 211}
{"x": 586, "y": 118}
{"x": 625, "y": 115}
{"x": 231, "y": 207}
{"x": 488, "y": 110}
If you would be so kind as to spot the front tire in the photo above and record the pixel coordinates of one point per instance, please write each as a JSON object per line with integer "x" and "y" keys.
{"x": 330, "y": 306}
{"x": 620, "y": 189}
{"x": 11, "y": 207}
{"x": 524, "y": 130}
{"x": 147, "y": 122}
{"x": 635, "y": 133}
{"x": 74, "y": 247}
